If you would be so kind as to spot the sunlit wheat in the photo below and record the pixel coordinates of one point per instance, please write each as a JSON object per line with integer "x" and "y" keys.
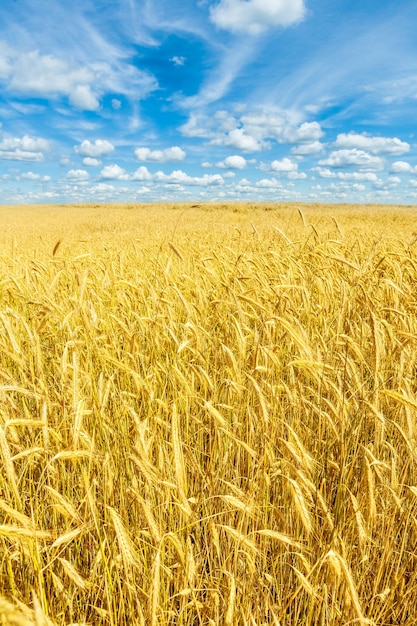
{"x": 207, "y": 416}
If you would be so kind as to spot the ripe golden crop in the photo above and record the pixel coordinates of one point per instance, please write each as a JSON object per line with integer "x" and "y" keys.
{"x": 208, "y": 415}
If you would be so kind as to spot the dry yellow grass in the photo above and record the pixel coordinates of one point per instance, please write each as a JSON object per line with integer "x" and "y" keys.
{"x": 208, "y": 415}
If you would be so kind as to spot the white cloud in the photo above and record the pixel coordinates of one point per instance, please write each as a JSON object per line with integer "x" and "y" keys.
{"x": 297, "y": 175}
{"x": 238, "y": 139}
{"x": 78, "y": 175}
{"x": 114, "y": 172}
{"x": 255, "y": 16}
{"x": 308, "y": 148}
{"x": 83, "y": 98}
{"x": 308, "y": 132}
{"x": 233, "y": 162}
{"x": 30, "y": 176}
{"x": 161, "y": 156}
{"x": 177, "y": 177}
{"x": 99, "y": 148}
{"x": 89, "y": 162}
{"x": 264, "y": 123}
{"x": 402, "y": 167}
{"x": 283, "y": 166}
{"x": 269, "y": 183}
{"x": 180, "y": 177}
{"x": 253, "y": 131}
{"x": 326, "y": 173}
{"x": 219, "y": 79}
{"x": 100, "y": 187}
{"x": 25, "y": 148}
{"x": 178, "y": 60}
{"x": 195, "y": 126}
{"x": 46, "y": 75}
{"x": 354, "y": 156}
{"x": 116, "y": 104}
{"x": 142, "y": 173}
{"x": 83, "y": 83}
{"x": 374, "y": 145}
{"x": 346, "y": 186}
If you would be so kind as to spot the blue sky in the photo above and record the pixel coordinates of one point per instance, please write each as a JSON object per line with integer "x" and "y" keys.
{"x": 252, "y": 100}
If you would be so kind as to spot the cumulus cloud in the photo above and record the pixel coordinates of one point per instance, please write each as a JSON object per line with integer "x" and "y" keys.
{"x": 284, "y": 166}
{"x": 100, "y": 147}
{"x": 25, "y": 148}
{"x": 255, "y": 16}
{"x": 308, "y": 148}
{"x": 114, "y": 172}
{"x": 307, "y": 133}
{"x": 374, "y": 145}
{"x": 180, "y": 177}
{"x": 51, "y": 76}
{"x": 89, "y": 162}
{"x": 235, "y": 162}
{"x": 354, "y": 156}
{"x": 195, "y": 126}
{"x": 240, "y": 140}
{"x": 46, "y": 75}
{"x": 33, "y": 176}
{"x": 161, "y": 156}
{"x": 142, "y": 173}
{"x": 78, "y": 175}
{"x": 402, "y": 167}
{"x": 83, "y": 98}
{"x": 254, "y": 130}
{"x": 43, "y": 74}
{"x": 269, "y": 183}
{"x": 177, "y": 177}
{"x": 327, "y": 173}
{"x": 346, "y": 186}
{"x": 30, "y": 176}
{"x": 297, "y": 175}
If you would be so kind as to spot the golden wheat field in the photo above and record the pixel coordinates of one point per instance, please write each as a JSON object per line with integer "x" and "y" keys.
{"x": 208, "y": 415}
